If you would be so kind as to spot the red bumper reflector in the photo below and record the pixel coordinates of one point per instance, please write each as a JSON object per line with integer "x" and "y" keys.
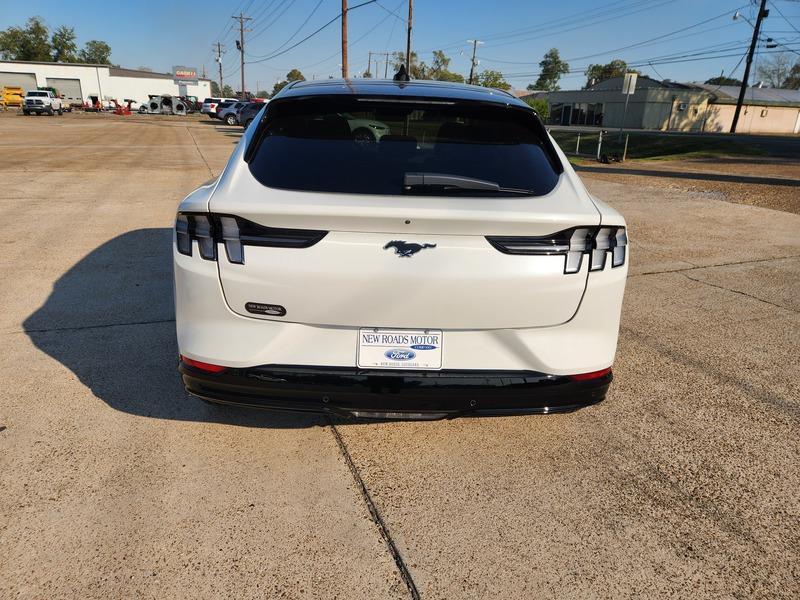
{"x": 592, "y": 375}
{"x": 209, "y": 368}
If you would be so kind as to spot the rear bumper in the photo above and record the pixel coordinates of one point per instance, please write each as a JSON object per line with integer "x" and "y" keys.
{"x": 367, "y": 393}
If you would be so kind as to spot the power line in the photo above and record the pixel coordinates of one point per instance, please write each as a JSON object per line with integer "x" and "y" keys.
{"x": 286, "y": 7}
{"x": 775, "y": 6}
{"x": 312, "y": 34}
{"x": 570, "y": 22}
{"x": 294, "y": 35}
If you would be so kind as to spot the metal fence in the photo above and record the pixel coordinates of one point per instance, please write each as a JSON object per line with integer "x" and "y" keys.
{"x": 600, "y": 144}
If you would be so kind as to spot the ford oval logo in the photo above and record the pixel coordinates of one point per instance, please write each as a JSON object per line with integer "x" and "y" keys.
{"x": 397, "y": 354}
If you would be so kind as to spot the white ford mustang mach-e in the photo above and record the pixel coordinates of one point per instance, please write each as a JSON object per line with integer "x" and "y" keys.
{"x": 453, "y": 264}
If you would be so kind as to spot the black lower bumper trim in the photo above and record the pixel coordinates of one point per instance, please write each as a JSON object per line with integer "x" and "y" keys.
{"x": 394, "y": 394}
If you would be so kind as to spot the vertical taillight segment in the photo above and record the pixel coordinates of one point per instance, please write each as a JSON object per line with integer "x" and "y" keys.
{"x": 235, "y": 233}
{"x": 571, "y": 243}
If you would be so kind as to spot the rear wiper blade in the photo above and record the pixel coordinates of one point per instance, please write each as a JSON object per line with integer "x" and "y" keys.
{"x": 451, "y": 182}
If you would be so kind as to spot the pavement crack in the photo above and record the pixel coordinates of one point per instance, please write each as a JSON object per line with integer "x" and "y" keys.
{"x": 203, "y": 158}
{"x": 375, "y": 514}
{"x": 728, "y": 264}
{"x": 82, "y": 327}
{"x": 722, "y": 287}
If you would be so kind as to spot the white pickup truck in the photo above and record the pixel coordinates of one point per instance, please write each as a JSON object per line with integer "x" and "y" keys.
{"x": 41, "y": 101}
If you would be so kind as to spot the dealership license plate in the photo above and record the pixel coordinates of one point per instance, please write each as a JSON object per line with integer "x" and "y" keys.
{"x": 400, "y": 348}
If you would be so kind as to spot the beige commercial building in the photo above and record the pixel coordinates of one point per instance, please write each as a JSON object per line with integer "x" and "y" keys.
{"x": 671, "y": 106}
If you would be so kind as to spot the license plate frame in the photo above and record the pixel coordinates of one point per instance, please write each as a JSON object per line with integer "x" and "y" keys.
{"x": 399, "y": 349}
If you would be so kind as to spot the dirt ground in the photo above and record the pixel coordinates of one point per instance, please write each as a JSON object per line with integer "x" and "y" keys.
{"x": 116, "y": 484}
{"x": 782, "y": 192}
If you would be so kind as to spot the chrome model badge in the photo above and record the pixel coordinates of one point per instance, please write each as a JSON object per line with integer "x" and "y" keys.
{"x": 403, "y": 248}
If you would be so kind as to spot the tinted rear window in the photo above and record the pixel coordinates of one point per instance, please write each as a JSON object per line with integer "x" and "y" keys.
{"x": 210, "y": 100}
{"x": 367, "y": 145}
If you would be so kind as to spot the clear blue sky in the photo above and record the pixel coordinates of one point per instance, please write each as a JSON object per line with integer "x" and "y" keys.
{"x": 516, "y": 33}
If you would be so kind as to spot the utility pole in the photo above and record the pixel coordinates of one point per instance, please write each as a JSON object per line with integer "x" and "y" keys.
{"x": 344, "y": 39}
{"x": 472, "y": 63}
{"x": 369, "y": 65}
{"x": 762, "y": 12}
{"x": 240, "y": 44}
{"x": 220, "y": 52}
{"x": 408, "y": 39}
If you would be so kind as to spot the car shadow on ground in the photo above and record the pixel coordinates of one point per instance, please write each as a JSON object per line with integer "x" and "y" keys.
{"x": 110, "y": 320}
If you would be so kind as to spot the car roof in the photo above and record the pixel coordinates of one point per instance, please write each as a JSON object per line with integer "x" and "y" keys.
{"x": 441, "y": 90}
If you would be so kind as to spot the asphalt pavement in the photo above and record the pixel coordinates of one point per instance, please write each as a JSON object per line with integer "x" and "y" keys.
{"x": 115, "y": 483}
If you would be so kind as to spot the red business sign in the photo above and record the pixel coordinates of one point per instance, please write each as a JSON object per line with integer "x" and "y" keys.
{"x": 184, "y": 74}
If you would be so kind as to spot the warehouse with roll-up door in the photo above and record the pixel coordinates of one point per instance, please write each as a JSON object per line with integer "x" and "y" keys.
{"x": 77, "y": 83}
{"x": 70, "y": 89}
{"x": 25, "y": 81}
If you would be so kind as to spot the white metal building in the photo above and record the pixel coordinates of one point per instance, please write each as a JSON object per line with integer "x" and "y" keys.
{"x": 79, "y": 82}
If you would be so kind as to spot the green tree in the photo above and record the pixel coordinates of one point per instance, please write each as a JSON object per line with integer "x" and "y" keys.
{"x": 293, "y": 75}
{"x": 552, "y": 68}
{"x": 96, "y": 52}
{"x": 722, "y": 80}
{"x": 262, "y": 94}
{"x": 597, "y": 73}
{"x": 227, "y": 91}
{"x": 215, "y": 91}
{"x": 64, "y": 47}
{"x": 540, "y": 105}
{"x": 492, "y": 79}
{"x": 419, "y": 70}
{"x": 31, "y": 42}
{"x": 366, "y": 75}
{"x": 440, "y": 68}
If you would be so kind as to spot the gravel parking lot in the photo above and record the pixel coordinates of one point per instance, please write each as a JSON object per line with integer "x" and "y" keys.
{"x": 115, "y": 483}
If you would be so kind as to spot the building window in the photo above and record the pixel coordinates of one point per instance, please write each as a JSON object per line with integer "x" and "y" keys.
{"x": 556, "y": 110}
{"x": 764, "y": 112}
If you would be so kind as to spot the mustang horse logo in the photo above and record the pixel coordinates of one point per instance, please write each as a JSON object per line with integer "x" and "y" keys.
{"x": 403, "y": 248}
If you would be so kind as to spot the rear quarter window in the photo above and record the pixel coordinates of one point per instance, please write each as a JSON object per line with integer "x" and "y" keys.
{"x": 367, "y": 146}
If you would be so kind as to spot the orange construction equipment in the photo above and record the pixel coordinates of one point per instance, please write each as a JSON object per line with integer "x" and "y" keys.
{"x": 122, "y": 110}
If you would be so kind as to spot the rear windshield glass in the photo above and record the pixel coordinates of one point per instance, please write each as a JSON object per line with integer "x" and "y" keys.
{"x": 210, "y": 100}
{"x": 382, "y": 146}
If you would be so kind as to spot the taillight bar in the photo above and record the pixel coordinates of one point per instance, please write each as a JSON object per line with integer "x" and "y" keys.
{"x": 234, "y": 233}
{"x": 573, "y": 244}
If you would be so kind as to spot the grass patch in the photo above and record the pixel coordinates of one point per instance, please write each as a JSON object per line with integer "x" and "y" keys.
{"x": 653, "y": 146}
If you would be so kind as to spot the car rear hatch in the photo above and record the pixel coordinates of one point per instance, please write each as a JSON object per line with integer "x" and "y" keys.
{"x": 325, "y": 230}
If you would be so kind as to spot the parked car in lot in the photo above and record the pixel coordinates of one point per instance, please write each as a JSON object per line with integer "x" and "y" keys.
{"x": 41, "y": 102}
{"x": 249, "y": 112}
{"x": 230, "y": 113}
{"x": 455, "y": 265}
{"x": 210, "y": 105}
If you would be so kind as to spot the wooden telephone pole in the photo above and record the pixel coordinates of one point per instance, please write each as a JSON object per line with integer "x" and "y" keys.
{"x": 762, "y": 12}
{"x": 220, "y": 51}
{"x": 408, "y": 39}
{"x": 242, "y": 20}
{"x": 472, "y": 64}
{"x": 344, "y": 40}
